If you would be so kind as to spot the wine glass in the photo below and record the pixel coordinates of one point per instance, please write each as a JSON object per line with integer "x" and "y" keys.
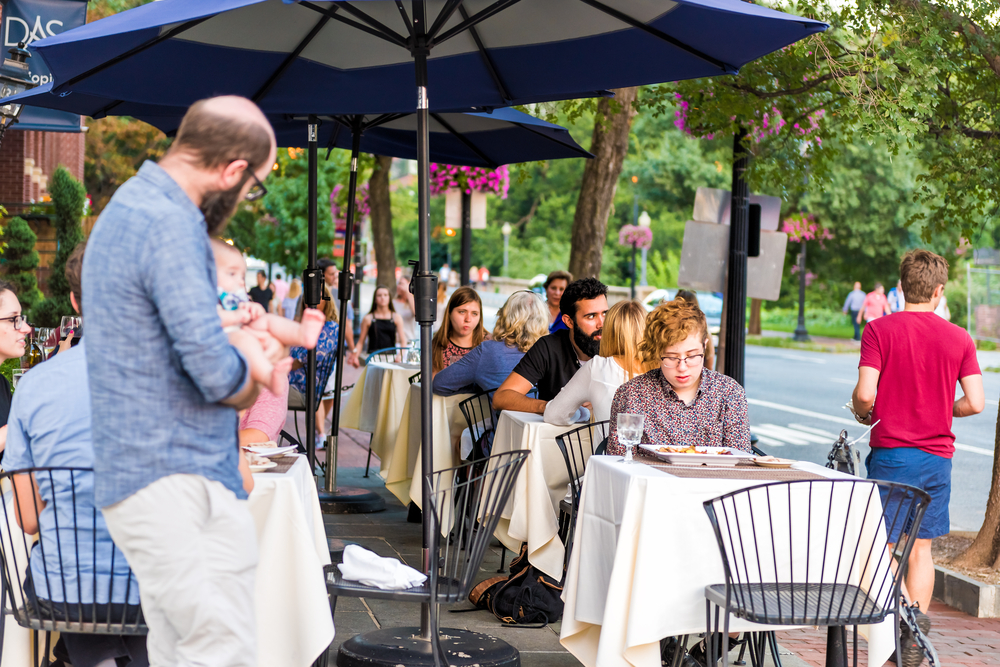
{"x": 48, "y": 340}
{"x": 68, "y": 326}
{"x": 629, "y": 432}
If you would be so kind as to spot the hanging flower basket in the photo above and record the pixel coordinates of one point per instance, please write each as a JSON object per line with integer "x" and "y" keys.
{"x": 635, "y": 235}
{"x": 444, "y": 177}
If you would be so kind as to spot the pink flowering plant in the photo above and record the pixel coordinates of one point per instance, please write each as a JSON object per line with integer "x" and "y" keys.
{"x": 338, "y": 203}
{"x": 470, "y": 179}
{"x": 803, "y": 227}
{"x": 635, "y": 235}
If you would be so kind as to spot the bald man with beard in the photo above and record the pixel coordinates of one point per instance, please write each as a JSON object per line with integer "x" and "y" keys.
{"x": 166, "y": 382}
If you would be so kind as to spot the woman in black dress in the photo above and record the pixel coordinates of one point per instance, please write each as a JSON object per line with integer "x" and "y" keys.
{"x": 382, "y": 327}
{"x": 13, "y": 330}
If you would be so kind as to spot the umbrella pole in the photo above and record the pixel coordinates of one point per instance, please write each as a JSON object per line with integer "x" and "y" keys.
{"x": 312, "y": 279}
{"x": 736, "y": 282}
{"x": 342, "y": 500}
{"x": 425, "y": 298}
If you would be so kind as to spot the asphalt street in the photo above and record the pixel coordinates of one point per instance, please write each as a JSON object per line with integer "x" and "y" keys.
{"x": 796, "y": 401}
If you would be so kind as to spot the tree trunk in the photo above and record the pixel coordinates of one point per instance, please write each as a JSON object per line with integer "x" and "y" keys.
{"x": 609, "y": 145}
{"x": 380, "y": 204}
{"x": 754, "y": 325}
{"x": 983, "y": 552}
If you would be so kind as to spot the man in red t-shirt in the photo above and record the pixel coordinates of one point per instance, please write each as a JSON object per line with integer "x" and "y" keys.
{"x": 912, "y": 361}
{"x": 875, "y": 305}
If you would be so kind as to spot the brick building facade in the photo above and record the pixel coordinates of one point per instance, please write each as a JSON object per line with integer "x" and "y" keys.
{"x": 27, "y": 161}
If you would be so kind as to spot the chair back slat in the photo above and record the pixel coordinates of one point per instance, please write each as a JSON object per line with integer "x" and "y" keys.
{"x": 66, "y": 564}
{"x": 479, "y": 415}
{"x": 470, "y": 499}
{"x": 387, "y": 355}
{"x": 813, "y": 551}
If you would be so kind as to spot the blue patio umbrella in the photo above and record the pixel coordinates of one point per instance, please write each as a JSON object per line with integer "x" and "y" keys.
{"x": 354, "y": 57}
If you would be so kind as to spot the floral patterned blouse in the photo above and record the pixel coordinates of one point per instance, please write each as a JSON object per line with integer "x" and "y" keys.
{"x": 326, "y": 344}
{"x": 452, "y": 353}
{"x": 717, "y": 417}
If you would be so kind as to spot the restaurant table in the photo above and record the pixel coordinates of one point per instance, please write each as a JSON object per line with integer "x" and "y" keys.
{"x": 377, "y": 402}
{"x": 404, "y": 456}
{"x": 643, "y": 552}
{"x": 294, "y": 624}
{"x": 532, "y": 512}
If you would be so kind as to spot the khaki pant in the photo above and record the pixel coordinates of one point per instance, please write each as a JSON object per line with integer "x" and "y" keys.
{"x": 193, "y": 548}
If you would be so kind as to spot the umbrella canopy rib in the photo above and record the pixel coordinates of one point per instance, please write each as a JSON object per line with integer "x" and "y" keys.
{"x": 406, "y": 18}
{"x": 583, "y": 153}
{"x": 446, "y": 13}
{"x": 490, "y": 65}
{"x": 292, "y": 57}
{"x": 162, "y": 37}
{"x": 390, "y": 36}
{"x": 468, "y": 144}
{"x": 374, "y": 23}
{"x": 495, "y": 8}
{"x": 659, "y": 34}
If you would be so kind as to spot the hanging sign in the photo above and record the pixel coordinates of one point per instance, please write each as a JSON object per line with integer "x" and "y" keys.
{"x": 453, "y": 209}
{"x": 29, "y": 21}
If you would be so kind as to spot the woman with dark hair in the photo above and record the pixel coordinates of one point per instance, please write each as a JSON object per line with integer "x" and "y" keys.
{"x": 461, "y": 328}
{"x": 382, "y": 327}
{"x": 13, "y": 329}
{"x": 555, "y": 285}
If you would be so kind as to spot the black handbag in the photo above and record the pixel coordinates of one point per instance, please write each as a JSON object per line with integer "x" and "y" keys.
{"x": 527, "y": 597}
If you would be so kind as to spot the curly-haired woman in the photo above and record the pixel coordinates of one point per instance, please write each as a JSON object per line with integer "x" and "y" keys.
{"x": 684, "y": 402}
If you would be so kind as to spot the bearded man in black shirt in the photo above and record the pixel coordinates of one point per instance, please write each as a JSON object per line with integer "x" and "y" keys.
{"x": 554, "y": 359}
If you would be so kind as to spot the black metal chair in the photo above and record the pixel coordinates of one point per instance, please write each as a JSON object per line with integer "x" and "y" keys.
{"x": 577, "y": 446}
{"x": 465, "y": 507}
{"x": 324, "y": 369}
{"x": 788, "y": 562}
{"x": 415, "y": 377}
{"x": 386, "y": 354}
{"x": 73, "y": 600}
{"x": 479, "y": 415}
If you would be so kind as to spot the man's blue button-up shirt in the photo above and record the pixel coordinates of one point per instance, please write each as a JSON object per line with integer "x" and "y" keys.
{"x": 158, "y": 361}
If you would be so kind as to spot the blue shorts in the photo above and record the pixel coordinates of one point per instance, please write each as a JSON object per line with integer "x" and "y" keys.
{"x": 912, "y": 466}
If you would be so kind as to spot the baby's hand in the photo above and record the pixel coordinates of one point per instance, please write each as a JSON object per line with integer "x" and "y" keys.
{"x": 252, "y": 309}
{"x": 233, "y": 318}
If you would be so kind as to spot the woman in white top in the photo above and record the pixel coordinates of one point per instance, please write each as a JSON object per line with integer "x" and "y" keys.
{"x": 404, "y": 306}
{"x": 594, "y": 385}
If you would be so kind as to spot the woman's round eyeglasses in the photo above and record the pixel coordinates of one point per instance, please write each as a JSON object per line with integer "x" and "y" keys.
{"x": 17, "y": 320}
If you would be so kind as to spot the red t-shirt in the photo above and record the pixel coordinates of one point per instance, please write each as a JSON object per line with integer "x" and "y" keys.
{"x": 920, "y": 358}
{"x": 874, "y": 306}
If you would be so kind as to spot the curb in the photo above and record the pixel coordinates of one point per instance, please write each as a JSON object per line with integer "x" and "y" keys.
{"x": 966, "y": 594}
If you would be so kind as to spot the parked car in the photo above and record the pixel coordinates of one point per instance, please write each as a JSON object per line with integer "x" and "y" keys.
{"x": 710, "y": 303}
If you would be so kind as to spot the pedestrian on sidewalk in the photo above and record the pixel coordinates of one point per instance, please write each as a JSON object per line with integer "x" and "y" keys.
{"x": 896, "y": 298}
{"x": 875, "y": 305}
{"x": 912, "y": 362}
{"x": 166, "y": 381}
{"x": 852, "y": 306}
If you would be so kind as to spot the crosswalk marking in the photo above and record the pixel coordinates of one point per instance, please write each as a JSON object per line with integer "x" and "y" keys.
{"x": 815, "y": 431}
{"x": 781, "y": 433}
{"x": 766, "y": 441}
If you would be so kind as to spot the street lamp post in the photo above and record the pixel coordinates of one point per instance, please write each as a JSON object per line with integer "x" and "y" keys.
{"x": 801, "y": 334}
{"x": 644, "y": 221}
{"x": 506, "y": 230}
{"x": 14, "y": 79}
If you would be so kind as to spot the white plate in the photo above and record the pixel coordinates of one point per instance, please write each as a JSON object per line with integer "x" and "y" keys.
{"x": 263, "y": 466}
{"x": 261, "y": 450}
{"x": 705, "y": 457}
{"x": 777, "y": 463}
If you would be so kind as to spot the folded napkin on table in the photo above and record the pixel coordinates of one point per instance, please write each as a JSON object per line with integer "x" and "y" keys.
{"x": 371, "y": 569}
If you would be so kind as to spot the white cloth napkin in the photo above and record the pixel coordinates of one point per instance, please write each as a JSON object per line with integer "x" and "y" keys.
{"x": 370, "y": 569}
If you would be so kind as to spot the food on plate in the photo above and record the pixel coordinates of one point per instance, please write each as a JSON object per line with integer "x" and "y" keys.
{"x": 769, "y": 459}
{"x": 717, "y": 451}
{"x": 256, "y": 459}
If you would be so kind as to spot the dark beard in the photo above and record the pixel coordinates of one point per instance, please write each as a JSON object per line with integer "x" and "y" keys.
{"x": 218, "y": 206}
{"x": 587, "y": 344}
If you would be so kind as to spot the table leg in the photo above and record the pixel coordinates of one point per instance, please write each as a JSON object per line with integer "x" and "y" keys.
{"x": 836, "y": 646}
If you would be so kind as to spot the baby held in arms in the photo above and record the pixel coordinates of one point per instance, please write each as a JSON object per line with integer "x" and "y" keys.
{"x": 237, "y": 310}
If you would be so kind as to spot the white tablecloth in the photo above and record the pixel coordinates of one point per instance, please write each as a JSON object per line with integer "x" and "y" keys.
{"x": 377, "y": 402}
{"x": 17, "y": 642}
{"x": 403, "y": 458}
{"x": 532, "y": 513}
{"x": 643, "y": 553}
{"x": 294, "y": 624}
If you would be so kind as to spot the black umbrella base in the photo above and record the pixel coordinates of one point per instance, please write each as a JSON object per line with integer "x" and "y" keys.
{"x": 350, "y": 500}
{"x": 403, "y": 646}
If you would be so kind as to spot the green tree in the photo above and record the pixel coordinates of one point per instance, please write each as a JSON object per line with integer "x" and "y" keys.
{"x": 68, "y": 198}
{"x": 21, "y": 261}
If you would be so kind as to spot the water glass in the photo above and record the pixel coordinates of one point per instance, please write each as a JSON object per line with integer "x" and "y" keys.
{"x": 15, "y": 375}
{"x": 413, "y": 354}
{"x": 629, "y": 432}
